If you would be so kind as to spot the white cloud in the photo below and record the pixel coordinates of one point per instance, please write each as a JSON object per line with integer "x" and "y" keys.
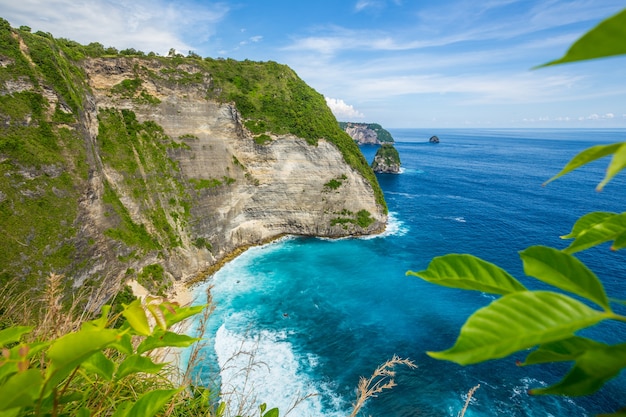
{"x": 596, "y": 116}
{"x": 141, "y": 24}
{"x": 364, "y": 4}
{"x": 343, "y": 111}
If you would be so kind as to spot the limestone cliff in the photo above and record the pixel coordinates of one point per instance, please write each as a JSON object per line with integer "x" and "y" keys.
{"x": 150, "y": 173}
{"x": 367, "y": 133}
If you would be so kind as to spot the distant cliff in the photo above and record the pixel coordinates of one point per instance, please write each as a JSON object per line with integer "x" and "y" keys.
{"x": 367, "y": 133}
{"x": 155, "y": 168}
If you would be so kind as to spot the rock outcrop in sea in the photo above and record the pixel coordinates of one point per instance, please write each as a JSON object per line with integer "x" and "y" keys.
{"x": 386, "y": 160}
{"x": 433, "y": 139}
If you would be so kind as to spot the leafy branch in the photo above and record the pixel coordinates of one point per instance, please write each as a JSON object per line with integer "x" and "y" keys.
{"x": 78, "y": 372}
{"x": 522, "y": 319}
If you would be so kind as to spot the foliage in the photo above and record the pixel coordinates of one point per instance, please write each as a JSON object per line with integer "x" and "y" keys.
{"x": 386, "y": 154}
{"x": 362, "y": 219}
{"x": 262, "y": 139}
{"x": 549, "y": 319}
{"x": 53, "y": 66}
{"x": 606, "y": 39}
{"x": 127, "y": 230}
{"x": 203, "y": 183}
{"x": 134, "y": 149}
{"x": 97, "y": 369}
{"x": 335, "y": 183}
{"x": 152, "y": 277}
{"x": 131, "y": 88}
{"x": 127, "y": 88}
{"x": 201, "y": 243}
{"x": 41, "y": 168}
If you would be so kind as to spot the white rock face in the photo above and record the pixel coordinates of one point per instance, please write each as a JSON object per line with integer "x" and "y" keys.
{"x": 362, "y": 134}
{"x": 285, "y": 186}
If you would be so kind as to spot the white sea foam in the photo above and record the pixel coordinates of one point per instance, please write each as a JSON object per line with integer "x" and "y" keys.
{"x": 264, "y": 369}
{"x": 395, "y": 227}
{"x": 410, "y": 171}
{"x": 459, "y": 219}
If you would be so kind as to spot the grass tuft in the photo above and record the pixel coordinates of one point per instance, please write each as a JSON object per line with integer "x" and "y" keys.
{"x": 382, "y": 379}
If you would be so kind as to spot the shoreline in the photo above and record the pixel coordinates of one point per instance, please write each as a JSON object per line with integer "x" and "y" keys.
{"x": 183, "y": 294}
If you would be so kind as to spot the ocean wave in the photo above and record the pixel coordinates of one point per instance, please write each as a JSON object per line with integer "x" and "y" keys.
{"x": 459, "y": 219}
{"x": 410, "y": 171}
{"x": 263, "y": 368}
{"x": 395, "y": 227}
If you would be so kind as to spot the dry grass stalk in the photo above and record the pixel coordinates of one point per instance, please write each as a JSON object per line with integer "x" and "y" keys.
{"x": 13, "y": 305}
{"x": 54, "y": 320}
{"x": 467, "y": 401}
{"x": 195, "y": 356}
{"x": 382, "y": 379}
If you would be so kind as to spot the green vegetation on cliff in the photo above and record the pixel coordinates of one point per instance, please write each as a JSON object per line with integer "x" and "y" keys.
{"x": 55, "y": 175}
{"x": 272, "y": 98}
{"x": 389, "y": 153}
{"x": 42, "y": 157}
{"x": 386, "y": 156}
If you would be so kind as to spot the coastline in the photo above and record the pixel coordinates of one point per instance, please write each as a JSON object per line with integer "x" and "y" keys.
{"x": 183, "y": 294}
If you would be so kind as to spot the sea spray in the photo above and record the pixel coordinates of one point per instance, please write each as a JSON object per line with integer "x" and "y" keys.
{"x": 262, "y": 367}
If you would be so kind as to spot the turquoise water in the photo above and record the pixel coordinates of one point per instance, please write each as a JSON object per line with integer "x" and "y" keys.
{"x": 310, "y": 316}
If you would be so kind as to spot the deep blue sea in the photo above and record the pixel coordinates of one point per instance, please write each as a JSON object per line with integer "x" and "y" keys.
{"x": 306, "y": 316}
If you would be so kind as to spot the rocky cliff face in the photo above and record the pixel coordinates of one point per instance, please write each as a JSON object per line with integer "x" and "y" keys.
{"x": 362, "y": 134}
{"x": 168, "y": 181}
{"x": 367, "y": 133}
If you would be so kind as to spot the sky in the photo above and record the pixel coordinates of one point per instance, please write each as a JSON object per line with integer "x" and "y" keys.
{"x": 399, "y": 63}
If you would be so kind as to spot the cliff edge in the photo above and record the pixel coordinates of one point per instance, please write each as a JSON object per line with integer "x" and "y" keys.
{"x": 367, "y": 133}
{"x": 158, "y": 168}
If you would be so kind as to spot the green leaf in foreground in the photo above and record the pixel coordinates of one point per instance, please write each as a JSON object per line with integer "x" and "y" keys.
{"x": 470, "y": 273}
{"x": 21, "y": 390}
{"x": 565, "y": 272}
{"x": 136, "y": 316}
{"x": 99, "y": 364}
{"x": 618, "y": 163}
{"x": 604, "y": 40}
{"x": 13, "y": 334}
{"x": 165, "y": 339}
{"x": 610, "y": 228}
{"x": 620, "y": 413}
{"x": 69, "y": 351}
{"x": 619, "y": 242}
{"x": 591, "y": 370}
{"x": 586, "y": 156}
{"x": 137, "y": 363}
{"x": 561, "y": 350}
{"x": 181, "y": 313}
{"x": 519, "y": 321}
{"x": 150, "y": 403}
{"x": 587, "y": 222}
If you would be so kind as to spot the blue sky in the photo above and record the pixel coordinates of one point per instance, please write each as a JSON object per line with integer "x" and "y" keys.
{"x": 400, "y": 63}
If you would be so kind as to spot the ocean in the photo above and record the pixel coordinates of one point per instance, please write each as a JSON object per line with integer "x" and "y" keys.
{"x": 300, "y": 320}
